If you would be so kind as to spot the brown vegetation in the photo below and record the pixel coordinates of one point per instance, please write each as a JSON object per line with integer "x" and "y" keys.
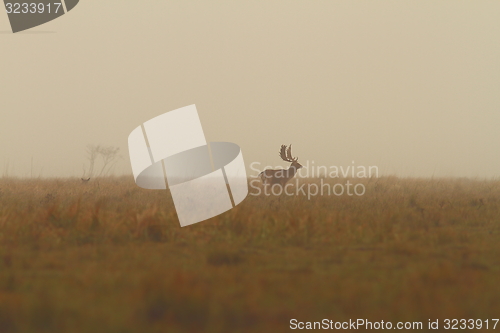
{"x": 108, "y": 256}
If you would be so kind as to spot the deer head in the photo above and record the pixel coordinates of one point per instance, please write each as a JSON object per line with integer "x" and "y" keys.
{"x": 286, "y": 155}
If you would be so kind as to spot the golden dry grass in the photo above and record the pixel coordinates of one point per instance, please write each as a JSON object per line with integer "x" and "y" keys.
{"x": 109, "y": 257}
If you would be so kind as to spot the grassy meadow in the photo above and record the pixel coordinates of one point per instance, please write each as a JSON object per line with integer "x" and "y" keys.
{"x": 108, "y": 256}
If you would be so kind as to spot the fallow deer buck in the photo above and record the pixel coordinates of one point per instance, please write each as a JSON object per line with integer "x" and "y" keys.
{"x": 281, "y": 176}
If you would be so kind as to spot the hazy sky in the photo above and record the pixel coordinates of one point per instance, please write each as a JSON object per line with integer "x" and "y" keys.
{"x": 412, "y": 87}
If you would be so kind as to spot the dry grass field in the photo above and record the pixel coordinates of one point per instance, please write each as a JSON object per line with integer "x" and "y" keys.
{"x": 107, "y": 256}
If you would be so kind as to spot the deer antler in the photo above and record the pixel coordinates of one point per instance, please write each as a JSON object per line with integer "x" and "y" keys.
{"x": 283, "y": 153}
{"x": 289, "y": 154}
{"x": 286, "y": 153}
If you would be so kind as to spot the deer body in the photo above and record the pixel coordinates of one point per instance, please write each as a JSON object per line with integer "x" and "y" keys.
{"x": 281, "y": 176}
